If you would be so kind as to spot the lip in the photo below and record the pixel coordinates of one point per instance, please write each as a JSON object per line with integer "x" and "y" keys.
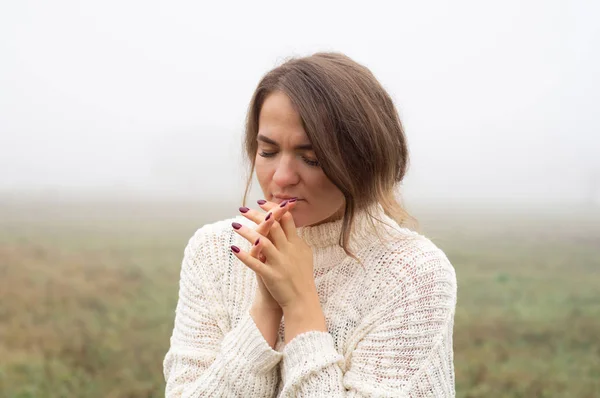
{"x": 281, "y": 198}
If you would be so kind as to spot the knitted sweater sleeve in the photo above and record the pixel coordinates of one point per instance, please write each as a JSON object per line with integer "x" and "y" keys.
{"x": 208, "y": 357}
{"x": 403, "y": 350}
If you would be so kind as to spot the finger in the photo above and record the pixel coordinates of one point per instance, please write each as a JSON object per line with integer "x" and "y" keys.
{"x": 287, "y": 221}
{"x": 266, "y": 205}
{"x": 255, "y": 251}
{"x": 272, "y": 206}
{"x": 252, "y": 236}
{"x": 251, "y": 262}
{"x": 256, "y": 216}
{"x": 279, "y": 212}
{"x": 271, "y": 228}
{"x": 265, "y": 228}
{"x": 247, "y": 232}
{"x": 259, "y": 217}
{"x": 262, "y": 246}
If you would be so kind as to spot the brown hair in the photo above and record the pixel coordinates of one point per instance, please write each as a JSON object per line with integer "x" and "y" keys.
{"x": 352, "y": 124}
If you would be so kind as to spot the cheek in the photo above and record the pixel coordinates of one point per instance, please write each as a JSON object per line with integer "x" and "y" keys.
{"x": 325, "y": 189}
{"x": 263, "y": 172}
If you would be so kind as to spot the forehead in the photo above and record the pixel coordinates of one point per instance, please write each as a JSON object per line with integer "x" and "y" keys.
{"x": 279, "y": 120}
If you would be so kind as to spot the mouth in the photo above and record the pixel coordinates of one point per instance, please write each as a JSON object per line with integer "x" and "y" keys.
{"x": 281, "y": 198}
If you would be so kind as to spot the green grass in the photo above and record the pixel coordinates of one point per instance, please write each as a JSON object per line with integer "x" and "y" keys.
{"x": 88, "y": 291}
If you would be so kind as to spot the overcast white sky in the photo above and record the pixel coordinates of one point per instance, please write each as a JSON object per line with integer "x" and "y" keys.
{"x": 500, "y": 100}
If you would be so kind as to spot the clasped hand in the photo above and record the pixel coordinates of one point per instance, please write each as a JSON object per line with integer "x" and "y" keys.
{"x": 278, "y": 255}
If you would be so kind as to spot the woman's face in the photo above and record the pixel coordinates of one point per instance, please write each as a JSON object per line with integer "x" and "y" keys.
{"x": 286, "y": 165}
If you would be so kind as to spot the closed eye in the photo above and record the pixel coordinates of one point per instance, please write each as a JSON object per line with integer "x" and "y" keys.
{"x": 265, "y": 154}
{"x": 311, "y": 162}
{"x": 308, "y": 161}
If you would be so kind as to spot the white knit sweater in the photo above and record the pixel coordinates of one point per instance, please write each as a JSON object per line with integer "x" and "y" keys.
{"x": 389, "y": 320}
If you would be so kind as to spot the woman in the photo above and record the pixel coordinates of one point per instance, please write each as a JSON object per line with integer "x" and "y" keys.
{"x": 324, "y": 294}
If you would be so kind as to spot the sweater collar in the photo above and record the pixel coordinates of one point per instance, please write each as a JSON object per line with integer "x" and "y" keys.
{"x": 367, "y": 227}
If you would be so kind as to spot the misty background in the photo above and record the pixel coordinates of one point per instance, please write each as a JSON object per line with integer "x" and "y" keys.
{"x": 121, "y": 127}
{"x": 499, "y": 99}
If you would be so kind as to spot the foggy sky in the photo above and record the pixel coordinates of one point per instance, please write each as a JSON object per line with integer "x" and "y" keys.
{"x": 499, "y": 99}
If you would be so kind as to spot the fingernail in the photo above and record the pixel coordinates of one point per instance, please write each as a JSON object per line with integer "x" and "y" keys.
{"x": 256, "y": 243}
{"x": 292, "y": 200}
{"x": 236, "y": 225}
{"x": 267, "y": 217}
{"x": 285, "y": 202}
{"x": 235, "y": 249}
{"x": 244, "y": 209}
{"x": 261, "y": 201}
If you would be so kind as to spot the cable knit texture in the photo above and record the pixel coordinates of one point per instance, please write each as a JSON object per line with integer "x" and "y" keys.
{"x": 389, "y": 319}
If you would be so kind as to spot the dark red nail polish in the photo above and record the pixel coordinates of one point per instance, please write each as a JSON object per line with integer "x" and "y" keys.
{"x": 285, "y": 202}
{"x": 292, "y": 200}
{"x": 235, "y": 249}
{"x": 261, "y": 201}
{"x": 267, "y": 217}
{"x": 244, "y": 209}
{"x": 236, "y": 225}
{"x": 257, "y": 241}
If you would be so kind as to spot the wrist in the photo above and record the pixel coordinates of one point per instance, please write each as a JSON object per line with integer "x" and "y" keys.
{"x": 302, "y": 312}
{"x": 303, "y": 317}
{"x": 267, "y": 321}
{"x": 267, "y": 308}
{"x": 308, "y": 304}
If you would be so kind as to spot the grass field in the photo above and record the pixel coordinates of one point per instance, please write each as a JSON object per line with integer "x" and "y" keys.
{"x": 88, "y": 291}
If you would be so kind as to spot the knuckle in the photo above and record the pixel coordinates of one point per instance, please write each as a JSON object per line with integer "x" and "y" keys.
{"x": 267, "y": 243}
{"x": 261, "y": 228}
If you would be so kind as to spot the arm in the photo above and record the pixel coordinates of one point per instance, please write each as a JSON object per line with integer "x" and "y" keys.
{"x": 405, "y": 351}
{"x": 207, "y": 357}
{"x": 267, "y": 321}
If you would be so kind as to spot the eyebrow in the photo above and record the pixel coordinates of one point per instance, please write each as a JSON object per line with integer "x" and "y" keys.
{"x": 306, "y": 147}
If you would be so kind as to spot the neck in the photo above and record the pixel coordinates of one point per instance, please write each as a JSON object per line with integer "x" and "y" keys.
{"x": 334, "y": 217}
{"x": 363, "y": 231}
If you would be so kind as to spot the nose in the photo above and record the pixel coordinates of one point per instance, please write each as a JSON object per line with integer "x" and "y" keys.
{"x": 285, "y": 172}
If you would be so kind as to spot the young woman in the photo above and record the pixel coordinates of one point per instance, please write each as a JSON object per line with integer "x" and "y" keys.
{"x": 323, "y": 292}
